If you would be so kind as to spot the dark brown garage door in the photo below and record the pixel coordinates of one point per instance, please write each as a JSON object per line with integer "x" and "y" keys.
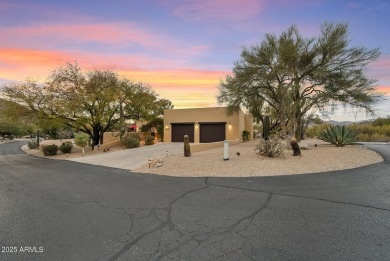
{"x": 179, "y": 130}
{"x": 212, "y": 132}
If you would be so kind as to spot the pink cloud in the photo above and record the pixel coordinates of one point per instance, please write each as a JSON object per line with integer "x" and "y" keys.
{"x": 383, "y": 89}
{"x": 104, "y": 33}
{"x": 381, "y": 68}
{"x": 217, "y": 9}
{"x": 116, "y": 36}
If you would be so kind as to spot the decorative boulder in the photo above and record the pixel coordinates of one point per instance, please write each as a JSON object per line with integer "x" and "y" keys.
{"x": 157, "y": 163}
{"x": 303, "y": 145}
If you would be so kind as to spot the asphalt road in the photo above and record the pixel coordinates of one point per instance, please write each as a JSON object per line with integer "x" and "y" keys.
{"x": 62, "y": 210}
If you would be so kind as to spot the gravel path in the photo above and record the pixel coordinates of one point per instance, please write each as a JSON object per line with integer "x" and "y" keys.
{"x": 210, "y": 163}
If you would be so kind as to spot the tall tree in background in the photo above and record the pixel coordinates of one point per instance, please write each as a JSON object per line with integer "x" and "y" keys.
{"x": 294, "y": 75}
{"x": 91, "y": 102}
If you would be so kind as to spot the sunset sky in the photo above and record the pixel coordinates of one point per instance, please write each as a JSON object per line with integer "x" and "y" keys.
{"x": 182, "y": 48}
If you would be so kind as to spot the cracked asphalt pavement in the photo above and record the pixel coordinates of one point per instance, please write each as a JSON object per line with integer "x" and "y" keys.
{"x": 63, "y": 210}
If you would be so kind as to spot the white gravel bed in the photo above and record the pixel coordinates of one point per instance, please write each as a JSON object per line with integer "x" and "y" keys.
{"x": 210, "y": 163}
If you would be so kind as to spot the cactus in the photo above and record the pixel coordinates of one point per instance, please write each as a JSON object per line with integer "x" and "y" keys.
{"x": 266, "y": 127}
{"x": 187, "y": 149}
{"x": 338, "y": 135}
{"x": 295, "y": 146}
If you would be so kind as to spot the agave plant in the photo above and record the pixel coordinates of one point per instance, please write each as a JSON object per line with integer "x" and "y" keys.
{"x": 338, "y": 135}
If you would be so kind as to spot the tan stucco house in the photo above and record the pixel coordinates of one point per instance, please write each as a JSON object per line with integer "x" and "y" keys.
{"x": 205, "y": 125}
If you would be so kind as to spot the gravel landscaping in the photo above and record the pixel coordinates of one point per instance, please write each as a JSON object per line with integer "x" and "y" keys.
{"x": 210, "y": 163}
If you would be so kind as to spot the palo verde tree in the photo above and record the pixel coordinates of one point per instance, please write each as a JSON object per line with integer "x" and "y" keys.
{"x": 91, "y": 102}
{"x": 295, "y": 75}
{"x": 138, "y": 101}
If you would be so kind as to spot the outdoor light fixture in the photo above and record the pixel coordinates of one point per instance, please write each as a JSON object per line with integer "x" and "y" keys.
{"x": 166, "y": 126}
{"x": 229, "y": 124}
{"x": 196, "y": 124}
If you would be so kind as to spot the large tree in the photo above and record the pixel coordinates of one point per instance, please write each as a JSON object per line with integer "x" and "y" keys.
{"x": 294, "y": 75}
{"x": 91, "y": 102}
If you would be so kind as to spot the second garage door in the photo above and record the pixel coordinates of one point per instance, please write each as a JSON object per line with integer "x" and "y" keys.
{"x": 179, "y": 130}
{"x": 212, "y": 132}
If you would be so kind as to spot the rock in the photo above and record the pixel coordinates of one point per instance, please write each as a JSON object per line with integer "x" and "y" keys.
{"x": 157, "y": 163}
{"x": 303, "y": 145}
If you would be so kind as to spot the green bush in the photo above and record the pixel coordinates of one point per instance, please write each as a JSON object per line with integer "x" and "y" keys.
{"x": 49, "y": 150}
{"x": 134, "y": 135}
{"x": 66, "y": 147}
{"x": 271, "y": 148}
{"x": 130, "y": 142}
{"x": 81, "y": 139}
{"x": 338, "y": 135}
{"x": 149, "y": 140}
{"x": 32, "y": 144}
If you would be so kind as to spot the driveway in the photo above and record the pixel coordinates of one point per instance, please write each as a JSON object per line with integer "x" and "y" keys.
{"x": 63, "y": 210}
{"x": 132, "y": 158}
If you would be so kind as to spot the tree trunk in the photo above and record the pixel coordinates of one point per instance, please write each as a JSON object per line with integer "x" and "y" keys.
{"x": 266, "y": 127}
{"x": 101, "y": 138}
{"x": 121, "y": 122}
{"x": 298, "y": 129}
{"x": 95, "y": 136}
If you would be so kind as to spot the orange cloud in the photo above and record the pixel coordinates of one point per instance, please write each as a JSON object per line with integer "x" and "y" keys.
{"x": 185, "y": 87}
{"x": 17, "y": 64}
{"x": 383, "y": 89}
{"x": 180, "y": 77}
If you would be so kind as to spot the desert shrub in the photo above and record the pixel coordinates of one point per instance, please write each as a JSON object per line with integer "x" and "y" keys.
{"x": 32, "y": 144}
{"x": 245, "y": 135}
{"x": 271, "y": 148}
{"x": 81, "y": 139}
{"x": 130, "y": 142}
{"x": 338, "y": 135}
{"x": 49, "y": 150}
{"x": 378, "y": 137}
{"x": 134, "y": 135}
{"x": 369, "y": 132}
{"x": 66, "y": 147}
{"x": 381, "y": 121}
{"x": 149, "y": 140}
{"x": 315, "y": 130}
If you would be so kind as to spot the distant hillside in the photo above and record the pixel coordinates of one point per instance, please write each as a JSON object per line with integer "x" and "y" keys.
{"x": 332, "y": 122}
